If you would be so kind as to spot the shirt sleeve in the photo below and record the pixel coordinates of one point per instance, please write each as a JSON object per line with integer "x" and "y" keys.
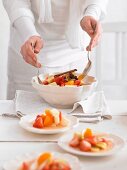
{"x": 94, "y": 11}
{"x": 21, "y": 17}
{"x": 17, "y": 9}
{"x": 25, "y": 28}
{"x": 96, "y": 8}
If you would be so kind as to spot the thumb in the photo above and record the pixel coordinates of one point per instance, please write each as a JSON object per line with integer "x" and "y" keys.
{"x": 38, "y": 46}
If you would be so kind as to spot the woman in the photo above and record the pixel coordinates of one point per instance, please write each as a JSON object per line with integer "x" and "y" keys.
{"x": 53, "y": 26}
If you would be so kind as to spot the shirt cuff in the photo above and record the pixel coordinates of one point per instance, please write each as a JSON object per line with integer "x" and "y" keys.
{"x": 25, "y": 27}
{"x": 94, "y": 11}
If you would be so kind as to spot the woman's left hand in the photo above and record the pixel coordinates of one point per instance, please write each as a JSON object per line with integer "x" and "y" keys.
{"x": 93, "y": 29}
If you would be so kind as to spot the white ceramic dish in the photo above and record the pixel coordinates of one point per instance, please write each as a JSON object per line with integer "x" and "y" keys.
{"x": 63, "y": 97}
{"x": 117, "y": 141}
{"x": 14, "y": 164}
{"x": 26, "y": 123}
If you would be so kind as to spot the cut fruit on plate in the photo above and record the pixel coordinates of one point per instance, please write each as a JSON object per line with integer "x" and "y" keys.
{"x": 43, "y": 161}
{"x": 51, "y": 121}
{"x": 50, "y": 118}
{"x": 90, "y": 144}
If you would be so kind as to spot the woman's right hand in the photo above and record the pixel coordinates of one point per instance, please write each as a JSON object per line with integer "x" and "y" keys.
{"x": 30, "y": 48}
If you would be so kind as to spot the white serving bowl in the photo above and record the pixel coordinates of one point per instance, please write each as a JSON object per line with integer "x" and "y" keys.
{"x": 65, "y": 96}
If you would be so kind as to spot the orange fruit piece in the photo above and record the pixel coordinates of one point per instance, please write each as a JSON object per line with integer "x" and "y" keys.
{"x": 88, "y": 133}
{"x": 43, "y": 157}
{"x": 49, "y": 120}
{"x": 71, "y": 82}
{"x": 48, "y": 112}
{"x": 43, "y": 117}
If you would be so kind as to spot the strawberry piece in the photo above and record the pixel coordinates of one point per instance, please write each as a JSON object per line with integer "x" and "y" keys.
{"x": 62, "y": 84}
{"x": 57, "y": 80}
{"x": 25, "y": 166}
{"x": 92, "y": 140}
{"x": 60, "y": 80}
{"x": 85, "y": 146}
{"x": 77, "y": 82}
{"x": 45, "y": 82}
{"x": 57, "y": 165}
{"x": 60, "y": 116}
{"x": 38, "y": 122}
{"x": 74, "y": 142}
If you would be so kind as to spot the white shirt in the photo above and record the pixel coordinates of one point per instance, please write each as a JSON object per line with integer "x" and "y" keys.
{"x": 60, "y": 12}
{"x": 57, "y": 50}
{"x": 56, "y": 30}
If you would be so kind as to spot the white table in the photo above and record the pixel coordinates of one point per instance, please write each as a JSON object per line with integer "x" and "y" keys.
{"x": 15, "y": 141}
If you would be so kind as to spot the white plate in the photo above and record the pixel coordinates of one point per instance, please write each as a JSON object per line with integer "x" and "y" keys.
{"x": 14, "y": 164}
{"x": 117, "y": 142}
{"x": 26, "y": 123}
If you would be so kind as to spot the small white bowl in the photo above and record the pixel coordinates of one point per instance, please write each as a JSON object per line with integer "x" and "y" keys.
{"x": 65, "y": 96}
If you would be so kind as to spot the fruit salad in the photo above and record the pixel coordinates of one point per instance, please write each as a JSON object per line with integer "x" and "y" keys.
{"x": 45, "y": 161}
{"x": 50, "y": 118}
{"x": 87, "y": 141}
{"x": 67, "y": 79}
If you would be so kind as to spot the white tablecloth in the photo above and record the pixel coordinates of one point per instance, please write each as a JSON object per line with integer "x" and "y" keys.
{"x": 11, "y": 131}
{"x": 11, "y": 150}
{"x": 14, "y": 140}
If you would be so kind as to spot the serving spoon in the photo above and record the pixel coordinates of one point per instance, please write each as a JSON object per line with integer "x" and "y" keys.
{"x": 38, "y": 73}
{"x": 87, "y": 68}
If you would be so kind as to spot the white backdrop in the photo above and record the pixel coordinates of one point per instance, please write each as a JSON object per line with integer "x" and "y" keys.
{"x": 117, "y": 11}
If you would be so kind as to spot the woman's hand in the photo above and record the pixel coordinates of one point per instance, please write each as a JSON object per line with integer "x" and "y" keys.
{"x": 94, "y": 30}
{"x": 30, "y": 48}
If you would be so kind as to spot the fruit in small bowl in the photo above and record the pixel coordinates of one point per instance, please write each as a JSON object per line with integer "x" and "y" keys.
{"x": 51, "y": 118}
{"x": 89, "y": 142}
{"x": 45, "y": 161}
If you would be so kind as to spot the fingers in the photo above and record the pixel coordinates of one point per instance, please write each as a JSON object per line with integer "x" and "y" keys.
{"x": 87, "y": 26}
{"x": 93, "y": 28}
{"x": 93, "y": 42}
{"x": 95, "y": 38}
{"x": 29, "y": 50}
{"x": 38, "y": 46}
{"x": 30, "y": 57}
